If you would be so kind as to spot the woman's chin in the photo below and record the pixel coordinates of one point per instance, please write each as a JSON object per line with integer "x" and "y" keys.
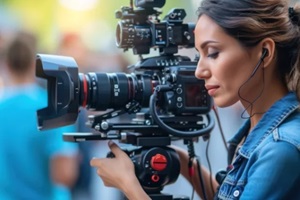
{"x": 223, "y": 102}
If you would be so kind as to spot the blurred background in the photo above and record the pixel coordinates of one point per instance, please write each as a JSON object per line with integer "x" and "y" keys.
{"x": 85, "y": 30}
{"x": 92, "y": 20}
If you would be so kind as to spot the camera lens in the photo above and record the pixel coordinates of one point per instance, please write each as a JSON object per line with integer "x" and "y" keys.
{"x": 125, "y": 35}
{"x": 101, "y": 91}
{"x": 133, "y": 36}
{"x": 119, "y": 35}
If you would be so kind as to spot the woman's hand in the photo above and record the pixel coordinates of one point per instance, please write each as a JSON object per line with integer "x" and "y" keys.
{"x": 119, "y": 172}
{"x": 115, "y": 172}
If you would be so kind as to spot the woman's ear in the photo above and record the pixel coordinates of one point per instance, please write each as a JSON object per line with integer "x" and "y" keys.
{"x": 268, "y": 51}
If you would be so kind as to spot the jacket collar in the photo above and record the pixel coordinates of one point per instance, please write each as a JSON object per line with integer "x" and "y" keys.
{"x": 278, "y": 112}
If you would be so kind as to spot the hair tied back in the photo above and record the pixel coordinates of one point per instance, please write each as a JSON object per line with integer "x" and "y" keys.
{"x": 293, "y": 16}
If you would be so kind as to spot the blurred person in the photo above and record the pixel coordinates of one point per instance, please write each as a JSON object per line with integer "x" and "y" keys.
{"x": 71, "y": 44}
{"x": 2, "y": 42}
{"x": 1, "y": 87}
{"x": 34, "y": 165}
{"x": 89, "y": 60}
{"x": 249, "y": 53}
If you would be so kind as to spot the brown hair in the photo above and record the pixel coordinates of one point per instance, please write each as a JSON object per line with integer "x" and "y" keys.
{"x": 20, "y": 53}
{"x": 250, "y": 21}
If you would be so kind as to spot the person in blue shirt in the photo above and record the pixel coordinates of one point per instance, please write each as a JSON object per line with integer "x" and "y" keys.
{"x": 34, "y": 164}
{"x": 249, "y": 52}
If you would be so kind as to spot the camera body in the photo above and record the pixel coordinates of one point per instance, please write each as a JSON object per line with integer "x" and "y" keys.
{"x": 188, "y": 94}
{"x": 141, "y": 28}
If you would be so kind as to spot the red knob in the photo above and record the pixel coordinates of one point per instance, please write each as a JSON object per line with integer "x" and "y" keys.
{"x": 158, "y": 162}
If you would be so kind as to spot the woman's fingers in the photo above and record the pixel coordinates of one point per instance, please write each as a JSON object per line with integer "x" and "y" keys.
{"x": 116, "y": 171}
{"x": 95, "y": 162}
{"x": 115, "y": 149}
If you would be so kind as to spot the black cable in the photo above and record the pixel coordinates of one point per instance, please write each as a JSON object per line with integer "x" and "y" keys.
{"x": 261, "y": 61}
{"x": 220, "y": 128}
{"x": 201, "y": 179}
{"x": 207, "y": 147}
{"x": 209, "y": 167}
{"x": 178, "y": 133}
{"x": 192, "y": 156}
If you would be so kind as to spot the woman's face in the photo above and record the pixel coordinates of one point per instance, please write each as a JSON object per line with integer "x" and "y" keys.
{"x": 224, "y": 64}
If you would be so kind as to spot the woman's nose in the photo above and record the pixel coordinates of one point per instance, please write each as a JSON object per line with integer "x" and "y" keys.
{"x": 202, "y": 72}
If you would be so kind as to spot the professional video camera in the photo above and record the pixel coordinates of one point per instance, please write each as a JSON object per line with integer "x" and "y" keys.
{"x": 161, "y": 100}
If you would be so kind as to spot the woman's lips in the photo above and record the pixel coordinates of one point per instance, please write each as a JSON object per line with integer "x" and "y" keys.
{"x": 211, "y": 89}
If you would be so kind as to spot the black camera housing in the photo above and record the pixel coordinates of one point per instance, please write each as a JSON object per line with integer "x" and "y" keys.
{"x": 149, "y": 4}
{"x": 189, "y": 94}
{"x": 141, "y": 28}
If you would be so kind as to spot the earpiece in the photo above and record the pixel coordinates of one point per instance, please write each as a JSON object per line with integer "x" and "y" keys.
{"x": 264, "y": 53}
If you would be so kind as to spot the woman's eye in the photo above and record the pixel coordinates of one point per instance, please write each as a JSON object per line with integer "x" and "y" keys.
{"x": 213, "y": 55}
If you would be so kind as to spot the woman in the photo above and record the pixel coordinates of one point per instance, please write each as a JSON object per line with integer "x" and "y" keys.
{"x": 249, "y": 52}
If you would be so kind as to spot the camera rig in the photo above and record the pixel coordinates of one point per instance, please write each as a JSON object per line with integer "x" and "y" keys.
{"x": 159, "y": 101}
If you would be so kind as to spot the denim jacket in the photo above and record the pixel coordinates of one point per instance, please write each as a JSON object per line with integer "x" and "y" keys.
{"x": 267, "y": 165}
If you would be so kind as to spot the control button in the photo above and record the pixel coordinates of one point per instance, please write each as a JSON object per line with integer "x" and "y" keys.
{"x": 179, "y": 105}
{"x": 179, "y": 99}
{"x": 155, "y": 178}
{"x": 179, "y": 90}
{"x": 158, "y": 162}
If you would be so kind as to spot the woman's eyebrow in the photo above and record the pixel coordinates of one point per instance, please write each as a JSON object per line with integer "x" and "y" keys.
{"x": 204, "y": 44}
